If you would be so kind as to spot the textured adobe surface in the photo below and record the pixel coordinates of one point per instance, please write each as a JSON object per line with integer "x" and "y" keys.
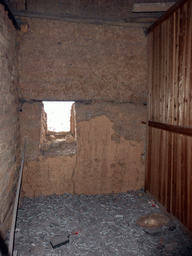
{"x": 86, "y": 62}
{"x": 109, "y": 158}
{"x": 9, "y": 120}
{"x": 70, "y": 61}
{"x": 48, "y": 175}
{"x": 110, "y": 148}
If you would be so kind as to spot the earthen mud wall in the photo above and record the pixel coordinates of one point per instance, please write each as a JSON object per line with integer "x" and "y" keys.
{"x": 9, "y": 120}
{"x": 110, "y": 156}
{"x": 107, "y": 156}
{"x": 104, "y": 69}
{"x": 75, "y": 61}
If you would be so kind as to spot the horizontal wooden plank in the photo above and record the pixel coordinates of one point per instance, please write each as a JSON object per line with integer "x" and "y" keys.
{"x": 166, "y": 15}
{"x": 152, "y": 7}
{"x": 171, "y": 128}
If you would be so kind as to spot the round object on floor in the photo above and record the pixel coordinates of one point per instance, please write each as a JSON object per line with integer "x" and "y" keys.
{"x": 155, "y": 220}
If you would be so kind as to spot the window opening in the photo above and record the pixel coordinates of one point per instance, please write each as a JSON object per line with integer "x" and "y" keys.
{"x": 58, "y": 115}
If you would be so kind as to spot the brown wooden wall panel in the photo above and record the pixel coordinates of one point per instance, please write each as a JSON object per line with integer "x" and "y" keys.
{"x": 169, "y": 173}
{"x": 169, "y": 167}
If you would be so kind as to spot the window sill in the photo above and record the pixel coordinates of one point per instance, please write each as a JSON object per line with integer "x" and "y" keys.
{"x": 54, "y": 146}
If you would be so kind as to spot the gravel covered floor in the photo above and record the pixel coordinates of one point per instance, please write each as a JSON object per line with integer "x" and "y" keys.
{"x": 97, "y": 225}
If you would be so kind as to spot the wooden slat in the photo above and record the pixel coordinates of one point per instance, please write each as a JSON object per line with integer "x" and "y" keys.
{"x": 170, "y": 78}
{"x": 149, "y": 150}
{"x": 169, "y": 173}
{"x": 176, "y": 121}
{"x": 150, "y": 79}
{"x": 184, "y": 116}
{"x": 188, "y": 111}
{"x": 161, "y": 73}
{"x": 189, "y": 222}
{"x": 174, "y": 178}
{"x": 171, "y": 128}
{"x": 178, "y": 178}
{"x": 160, "y": 173}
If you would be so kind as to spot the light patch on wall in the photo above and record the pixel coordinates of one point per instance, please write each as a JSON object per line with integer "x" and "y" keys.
{"x": 58, "y": 115}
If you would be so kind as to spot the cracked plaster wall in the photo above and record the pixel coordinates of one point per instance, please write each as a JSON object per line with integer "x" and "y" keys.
{"x": 109, "y": 156}
{"x": 84, "y": 62}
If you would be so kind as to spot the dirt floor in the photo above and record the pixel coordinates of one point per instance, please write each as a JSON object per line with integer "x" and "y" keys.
{"x": 97, "y": 225}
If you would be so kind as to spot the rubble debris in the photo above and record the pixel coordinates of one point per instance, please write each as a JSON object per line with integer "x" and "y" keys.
{"x": 59, "y": 240}
{"x": 102, "y": 233}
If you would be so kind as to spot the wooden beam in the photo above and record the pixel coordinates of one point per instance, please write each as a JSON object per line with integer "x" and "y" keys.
{"x": 167, "y": 14}
{"x": 132, "y": 20}
{"x": 152, "y": 7}
{"x": 171, "y": 128}
{"x": 10, "y": 14}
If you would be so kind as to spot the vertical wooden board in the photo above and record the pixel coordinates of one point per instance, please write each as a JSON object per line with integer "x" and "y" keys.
{"x": 175, "y": 111}
{"x": 150, "y": 111}
{"x": 189, "y": 187}
{"x": 181, "y": 74}
{"x": 168, "y": 89}
{"x": 190, "y": 61}
{"x": 178, "y": 68}
{"x": 179, "y": 174}
{"x": 152, "y": 162}
{"x": 174, "y": 70}
{"x": 158, "y": 53}
{"x": 166, "y": 163}
{"x": 182, "y": 178}
{"x": 155, "y": 164}
{"x": 169, "y": 172}
{"x": 154, "y": 79}
{"x": 150, "y": 66}
{"x": 162, "y": 171}
{"x": 161, "y": 72}
{"x": 189, "y": 119}
{"x": 187, "y": 181}
{"x": 171, "y": 66}
{"x": 165, "y": 110}
{"x": 188, "y": 111}
{"x": 170, "y": 76}
{"x": 174, "y": 178}
{"x": 155, "y": 68}
{"x": 176, "y": 96}
{"x": 181, "y": 78}
{"x": 159, "y": 183}
{"x": 166, "y": 66}
{"x": 148, "y": 169}
{"x": 185, "y": 121}
{"x": 163, "y": 166}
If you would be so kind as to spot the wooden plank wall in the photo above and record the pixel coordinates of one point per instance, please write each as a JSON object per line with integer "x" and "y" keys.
{"x": 169, "y": 164}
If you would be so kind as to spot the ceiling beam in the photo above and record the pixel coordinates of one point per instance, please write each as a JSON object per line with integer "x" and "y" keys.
{"x": 132, "y": 20}
{"x": 10, "y": 14}
{"x": 152, "y": 7}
